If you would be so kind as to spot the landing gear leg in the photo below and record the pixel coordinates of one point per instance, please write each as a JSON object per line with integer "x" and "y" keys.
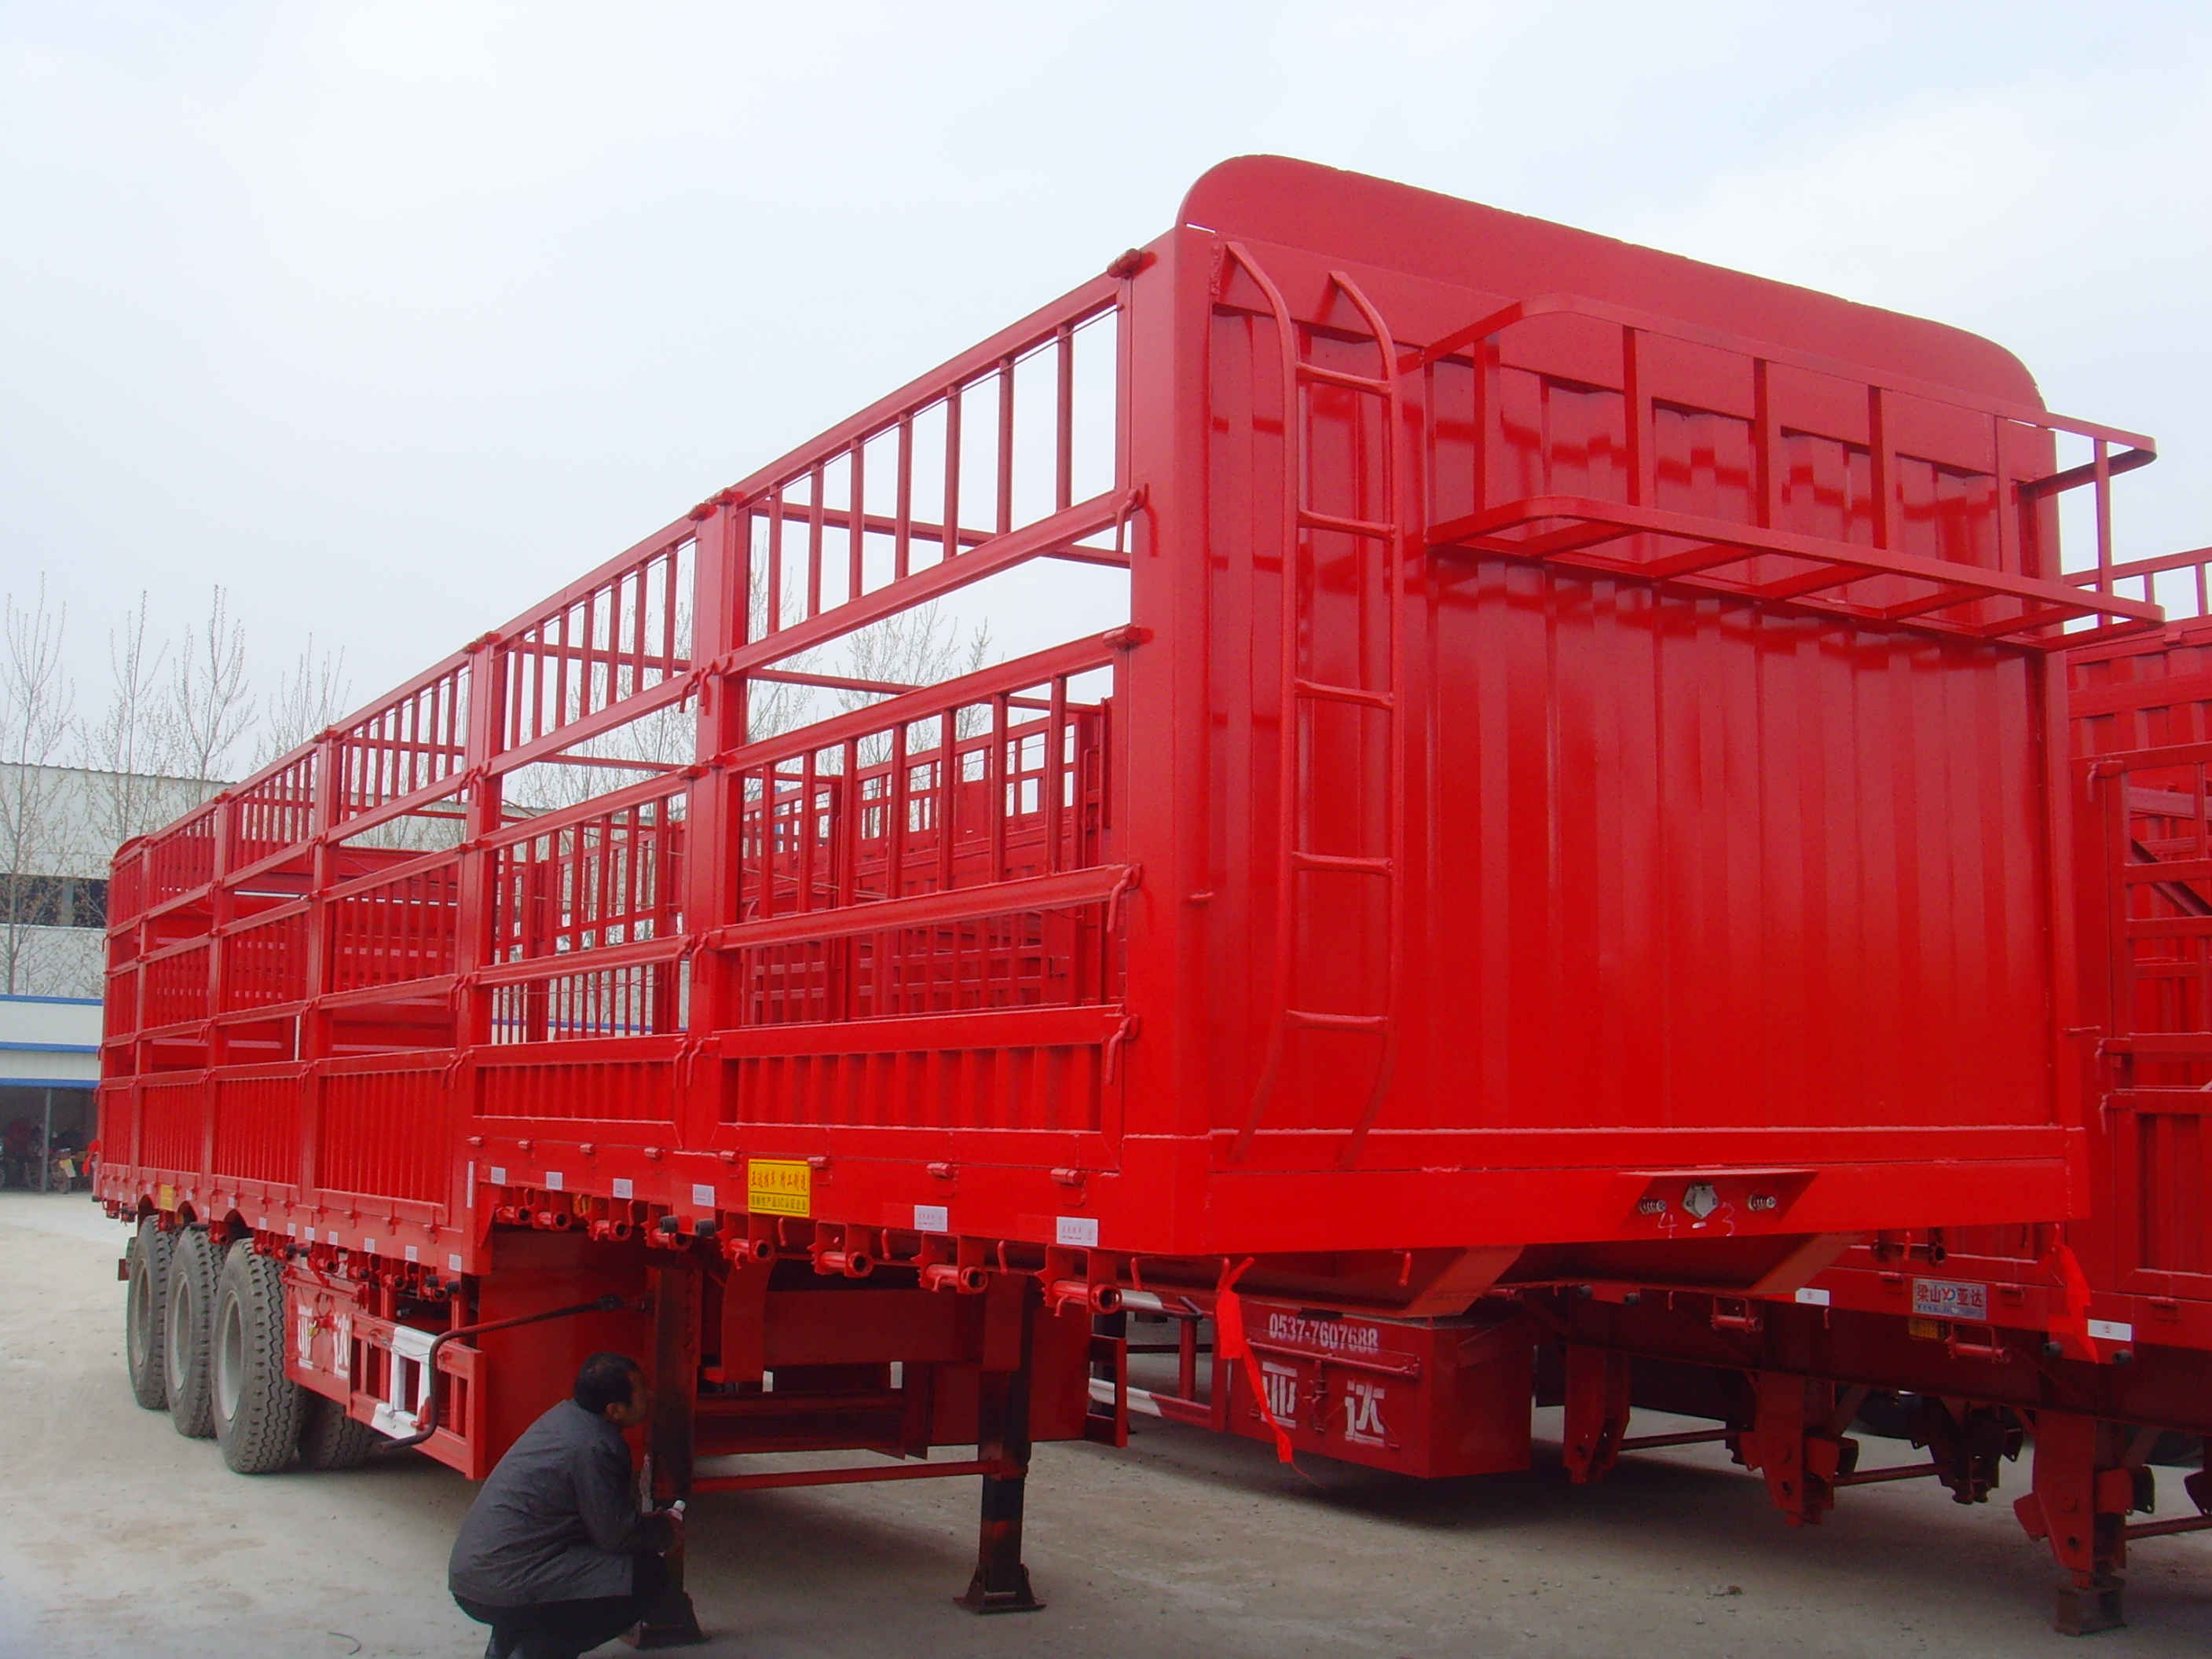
{"x": 1596, "y": 1412}
{"x": 1968, "y": 1444}
{"x": 2081, "y": 1502}
{"x": 672, "y": 1623}
{"x": 1796, "y": 1442}
{"x": 1001, "y": 1584}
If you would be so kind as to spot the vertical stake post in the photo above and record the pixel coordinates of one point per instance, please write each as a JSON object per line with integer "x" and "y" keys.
{"x": 675, "y": 1381}
{"x": 1001, "y": 1584}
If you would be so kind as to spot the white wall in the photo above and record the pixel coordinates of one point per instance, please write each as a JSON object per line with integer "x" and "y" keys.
{"x": 49, "y": 1040}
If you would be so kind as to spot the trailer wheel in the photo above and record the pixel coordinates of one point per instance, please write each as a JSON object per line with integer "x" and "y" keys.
{"x": 329, "y": 1439}
{"x": 256, "y": 1406}
{"x": 185, "y": 1340}
{"x": 145, "y": 1310}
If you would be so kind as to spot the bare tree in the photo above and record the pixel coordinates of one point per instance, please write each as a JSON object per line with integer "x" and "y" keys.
{"x": 37, "y": 720}
{"x": 919, "y": 646}
{"x": 773, "y": 707}
{"x": 310, "y": 696}
{"x": 211, "y": 703}
{"x": 659, "y": 741}
{"x": 655, "y": 742}
{"x": 131, "y": 747}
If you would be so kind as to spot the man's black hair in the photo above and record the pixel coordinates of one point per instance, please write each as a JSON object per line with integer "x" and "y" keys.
{"x": 604, "y": 1381}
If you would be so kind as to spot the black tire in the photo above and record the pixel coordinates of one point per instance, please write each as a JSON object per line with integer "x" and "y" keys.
{"x": 145, "y": 1316}
{"x": 256, "y": 1407}
{"x": 185, "y": 1343}
{"x": 329, "y": 1439}
{"x": 1888, "y": 1415}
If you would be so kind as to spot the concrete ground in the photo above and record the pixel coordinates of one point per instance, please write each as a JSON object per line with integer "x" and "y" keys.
{"x": 117, "y": 1537}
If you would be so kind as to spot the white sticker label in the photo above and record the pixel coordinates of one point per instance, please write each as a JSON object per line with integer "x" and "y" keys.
{"x": 552, "y": 1181}
{"x": 703, "y": 1195}
{"x": 1950, "y": 1299}
{"x": 621, "y": 1186}
{"x": 498, "y": 1175}
{"x": 1812, "y": 1296}
{"x": 291, "y": 1229}
{"x": 411, "y": 1256}
{"x": 311, "y": 1234}
{"x": 368, "y": 1245}
{"x": 452, "y": 1264}
{"x": 1080, "y": 1230}
{"x": 931, "y": 1218}
{"x": 2111, "y": 1330}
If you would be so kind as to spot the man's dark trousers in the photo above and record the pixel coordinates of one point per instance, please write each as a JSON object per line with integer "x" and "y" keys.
{"x": 562, "y": 1630}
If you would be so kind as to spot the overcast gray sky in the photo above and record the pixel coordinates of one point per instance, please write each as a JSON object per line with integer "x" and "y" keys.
{"x": 391, "y": 317}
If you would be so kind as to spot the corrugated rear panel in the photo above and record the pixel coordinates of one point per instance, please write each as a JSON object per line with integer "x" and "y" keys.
{"x": 1672, "y": 860}
{"x": 1696, "y": 864}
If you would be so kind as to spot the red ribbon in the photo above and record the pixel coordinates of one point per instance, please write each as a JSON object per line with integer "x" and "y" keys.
{"x": 2077, "y": 1298}
{"x": 1230, "y": 1340}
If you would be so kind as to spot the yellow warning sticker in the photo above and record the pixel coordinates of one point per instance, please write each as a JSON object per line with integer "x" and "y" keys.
{"x": 165, "y": 1197}
{"x": 778, "y": 1186}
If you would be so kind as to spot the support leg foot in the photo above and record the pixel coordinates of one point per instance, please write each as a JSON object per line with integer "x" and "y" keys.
{"x": 980, "y": 1597}
{"x": 2085, "y": 1609}
{"x": 673, "y": 1623}
{"x": 1001, "y": 1584}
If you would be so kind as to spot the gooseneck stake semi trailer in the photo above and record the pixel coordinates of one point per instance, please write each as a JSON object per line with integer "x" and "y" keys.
{"x": 1555, "y": 775}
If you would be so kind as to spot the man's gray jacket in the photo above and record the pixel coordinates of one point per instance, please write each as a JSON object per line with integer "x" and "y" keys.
{"x": 557, "y": 1521}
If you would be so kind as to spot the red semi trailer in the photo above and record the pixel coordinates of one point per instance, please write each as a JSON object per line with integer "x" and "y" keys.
{"x": 1570, "y": 790}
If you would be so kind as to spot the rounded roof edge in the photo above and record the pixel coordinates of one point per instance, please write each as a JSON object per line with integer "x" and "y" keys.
{"x": 1377, "y": 222}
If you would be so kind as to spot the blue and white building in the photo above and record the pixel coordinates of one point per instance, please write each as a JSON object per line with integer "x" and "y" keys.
{"x": 49, "y": 1062}
{"x": 61, "y": 826}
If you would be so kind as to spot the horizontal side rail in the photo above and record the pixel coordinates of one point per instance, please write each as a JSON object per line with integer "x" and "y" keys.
{"x": 1044, "y": 539}
{"x": 1096, "y": 884}
{"x": 1076, "y": 657}
{"x": 768, "y": 1479}
{"x": 1055, "y": 1026}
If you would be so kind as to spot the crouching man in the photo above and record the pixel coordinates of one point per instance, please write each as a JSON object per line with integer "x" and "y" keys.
{"x": 553, "y": 1555}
